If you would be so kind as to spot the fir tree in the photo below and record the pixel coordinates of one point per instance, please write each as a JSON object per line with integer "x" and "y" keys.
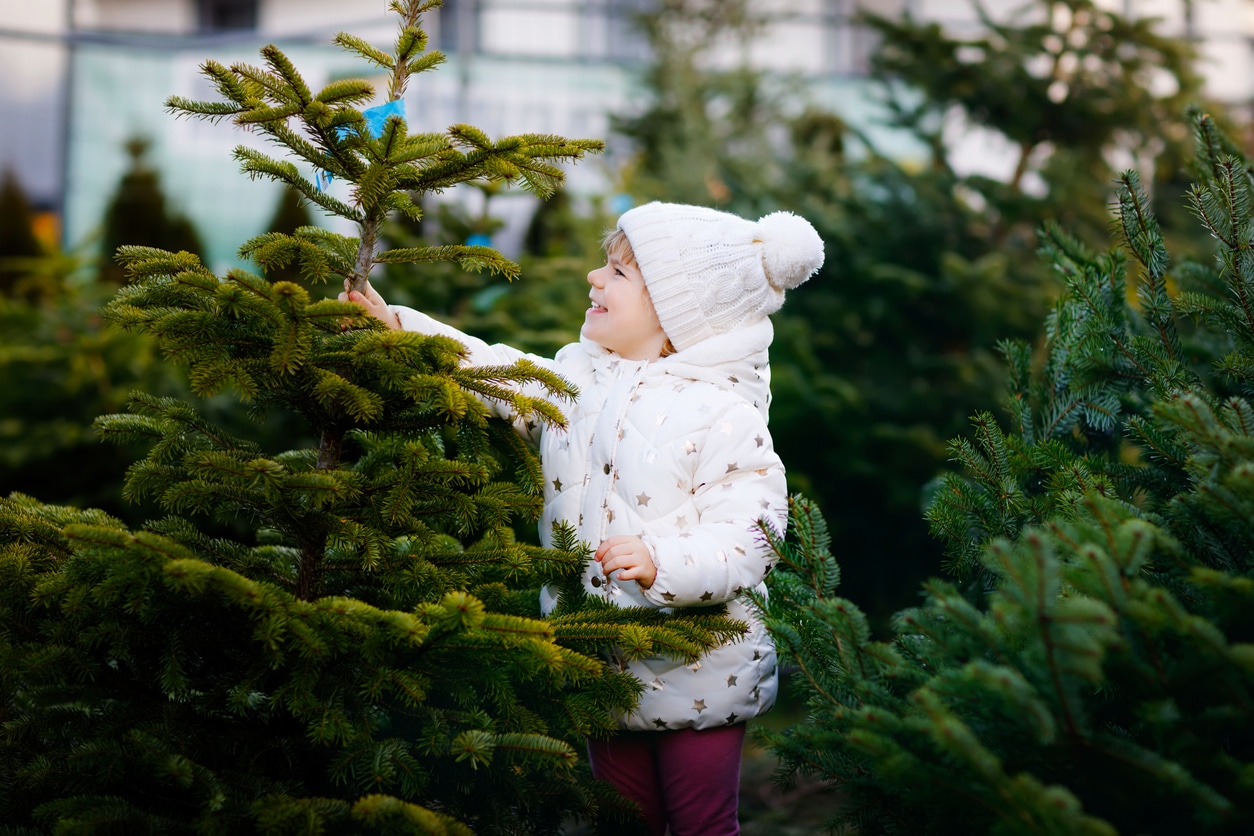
{"x": 290, "y": 214}
{"x": 371, "y": 659}
{"x": 18, "y": 242}
{"x": 138, "y": 214}
{"x": 1093, "y": 672}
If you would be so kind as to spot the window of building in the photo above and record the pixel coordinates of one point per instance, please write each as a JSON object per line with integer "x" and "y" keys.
{"x": 611, "y": 31}
{"x": 227, "y": 15}
{"x": 458, "y": 26}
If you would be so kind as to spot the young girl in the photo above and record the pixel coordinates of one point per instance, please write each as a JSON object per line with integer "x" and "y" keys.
{"x": 667, "y": 464}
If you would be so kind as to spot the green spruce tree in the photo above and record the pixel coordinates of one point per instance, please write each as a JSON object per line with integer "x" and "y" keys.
{"x": 18, "y": 243}
{"x": 139, "y": 214}
{"x": 1091, "y": 672}
{"x": 369, "y": 658}
{"x": 290, "y": 214}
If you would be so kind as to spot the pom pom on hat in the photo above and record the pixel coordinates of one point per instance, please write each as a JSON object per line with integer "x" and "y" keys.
{"x": 791, "y": 250}
{"x": 711, "y": 272}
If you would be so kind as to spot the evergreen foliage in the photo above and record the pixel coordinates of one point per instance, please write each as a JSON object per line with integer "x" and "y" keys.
{"x": 62, "y": 366}
{"x": 539, "y": 315}
{"x": 290, "y": 214}
{"x": 138, "y": 213}
{"x": 17, "y": 240}
{"x": 1094, "y": 672}
{"x": 369, "y": 656}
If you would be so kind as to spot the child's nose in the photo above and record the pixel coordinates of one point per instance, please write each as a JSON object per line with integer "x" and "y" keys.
{"x": 594, "y": 277}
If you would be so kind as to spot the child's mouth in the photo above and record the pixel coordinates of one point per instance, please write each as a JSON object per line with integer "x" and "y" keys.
{"x": 595, "y": 308}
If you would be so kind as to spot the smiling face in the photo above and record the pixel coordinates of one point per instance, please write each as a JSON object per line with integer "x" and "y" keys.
{"x": 621, "y": 317}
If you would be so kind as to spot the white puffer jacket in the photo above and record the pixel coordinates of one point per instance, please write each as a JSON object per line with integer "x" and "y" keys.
{"x": 677, "y": 452}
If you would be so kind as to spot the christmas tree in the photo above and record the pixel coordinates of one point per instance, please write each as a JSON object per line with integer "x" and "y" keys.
{"x": 1091, "y": 669}
{"x": 138, "y": 213}
{"x": 17, "y": 240}
{"x": 369, "y": 656}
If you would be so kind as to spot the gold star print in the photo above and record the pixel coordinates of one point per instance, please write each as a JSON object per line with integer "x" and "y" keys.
{"x": 557, "y": 485}
{"x": 731, "y": 681}
{"x": 733, "y": 379}
{"x": 621, "y": 432}
{"x": 659, "y": 722}
{"x": 764, "y": 503}
{"x": 698, "y": 706}
{"x": 732, "y": 467}
{"x": 690, "y": 448}
{"x": 682, "y": 521}
{"x": 759, "y": 439}
{"x": 668, "y": 596}
{"x": 762, "y": 471}
{"x": 705, "y": 596}
{"x": 656, "y": 684}
{"x": 688, "y": 561}
{"x": 740, "y": 550}
{"x": 643, "y": 499}
{"x": 609, "y": 515}
{"x": 757, "y": 654}
{"x": 731, "y": 719}
{"x": 725, "y": 427}
{"x": 694, "y": 667}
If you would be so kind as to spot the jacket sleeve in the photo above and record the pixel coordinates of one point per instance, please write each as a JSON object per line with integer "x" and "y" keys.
{"x": 480, "y": 353}
{"x": 737, "y": 480}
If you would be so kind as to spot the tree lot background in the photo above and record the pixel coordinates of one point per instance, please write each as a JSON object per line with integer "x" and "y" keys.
{"x": 878, "y": 361}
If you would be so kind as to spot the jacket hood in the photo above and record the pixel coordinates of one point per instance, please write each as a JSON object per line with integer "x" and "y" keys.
{"x": 737, "y": 361}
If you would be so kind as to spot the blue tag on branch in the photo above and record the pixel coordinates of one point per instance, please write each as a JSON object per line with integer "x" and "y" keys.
{"x": 376, "y": 119}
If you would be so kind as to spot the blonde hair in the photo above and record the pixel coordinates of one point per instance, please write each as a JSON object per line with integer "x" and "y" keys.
{"x": 615, "y": 244}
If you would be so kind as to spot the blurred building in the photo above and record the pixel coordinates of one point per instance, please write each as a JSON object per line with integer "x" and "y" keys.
{"x": 551, "y": 66}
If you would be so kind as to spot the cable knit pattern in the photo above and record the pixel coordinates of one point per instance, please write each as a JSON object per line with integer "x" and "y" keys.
{"x": 677, "y": 452}
{"x": 711, "y": 272}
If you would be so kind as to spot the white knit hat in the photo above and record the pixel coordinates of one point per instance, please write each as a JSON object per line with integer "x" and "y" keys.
{"x": 710, "y": 272}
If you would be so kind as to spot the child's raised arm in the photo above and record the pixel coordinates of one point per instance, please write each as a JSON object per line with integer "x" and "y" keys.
{"x": 478, "y": 352}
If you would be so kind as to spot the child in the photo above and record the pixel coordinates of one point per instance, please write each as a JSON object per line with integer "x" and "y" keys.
{"x": 666, "y": 464}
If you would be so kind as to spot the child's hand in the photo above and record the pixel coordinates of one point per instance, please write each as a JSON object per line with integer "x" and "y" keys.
{"x": 373, "y": 304}
{"x": 628, "y": 556}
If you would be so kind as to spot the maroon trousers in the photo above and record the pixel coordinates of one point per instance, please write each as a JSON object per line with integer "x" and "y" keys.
{"x": 687, "y": 779}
